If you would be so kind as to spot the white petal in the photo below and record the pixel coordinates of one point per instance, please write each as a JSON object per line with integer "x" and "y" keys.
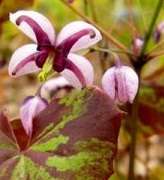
{"x": 85, "y": 41}
{"x": 132, "y": 82}
{"x": 41, "y": 20}
{"x": 30, "y": 108}
{"x": 84, "y": 66}
{"x": 53, "y": 84}
{"x": 19, "y": 55}
{"x": 108, "y": 82}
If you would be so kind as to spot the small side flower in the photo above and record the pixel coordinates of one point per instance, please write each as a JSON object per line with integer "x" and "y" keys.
{"x": 121, "y": 83}
{"x": 158, "y": 32}
{"x": 31, "y": 107}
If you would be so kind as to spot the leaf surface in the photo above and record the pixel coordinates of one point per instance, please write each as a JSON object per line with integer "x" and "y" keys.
{"x": 74, "y": 138}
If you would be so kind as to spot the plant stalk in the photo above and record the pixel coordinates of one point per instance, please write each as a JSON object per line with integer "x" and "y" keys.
{"x": 110, "y": 50}
{"x": 134, "y": 113}
{"x": 133, "y": 125}
{"x": 151, "y": 27}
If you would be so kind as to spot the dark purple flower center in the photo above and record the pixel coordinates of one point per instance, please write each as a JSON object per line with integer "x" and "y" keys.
{"x": 63, "y": 49}
{"x": 61, "y": 60}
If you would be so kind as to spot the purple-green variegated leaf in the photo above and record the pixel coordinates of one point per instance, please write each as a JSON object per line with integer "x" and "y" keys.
{"x": 74, "y": 138}
{"x": 8, "y": 148}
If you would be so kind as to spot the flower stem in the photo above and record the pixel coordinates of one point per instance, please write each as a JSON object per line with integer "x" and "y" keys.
{"x": 110, "y": 50}
{"x": 134, "y": 113}
{"x": 103, "y": 31}
{"x": 155, "y": 55}
{"x": 151, "y": 27}
{"x": 154, "y": 48}
{"x": 133, "y": 125}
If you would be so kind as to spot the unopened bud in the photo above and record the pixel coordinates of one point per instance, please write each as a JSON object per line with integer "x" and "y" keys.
{"x": 31, "y": 107}
{"x": 53, "y": 85}
{"x": 158, "y": 32}
{"x": 137, "y": 46}
{"x": 121, "y": 83}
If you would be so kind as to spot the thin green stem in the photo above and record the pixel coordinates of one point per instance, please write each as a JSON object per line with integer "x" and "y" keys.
{"x": 133, "y": 125}
{"x": 109, "y": 51}
{"x": 103, "y": 31}
{"x": 133, "y": 120}
{"x": 151, "y": 27}
{"x": 156, "y": 54}
{"x": 161, "y": 43}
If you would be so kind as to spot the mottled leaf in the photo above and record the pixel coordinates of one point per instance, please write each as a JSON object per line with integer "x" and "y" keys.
{"x": 8, "y": 147}
{"x": 74, "y": 138}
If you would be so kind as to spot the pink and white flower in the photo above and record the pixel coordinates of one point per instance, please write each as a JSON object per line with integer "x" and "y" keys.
{"x": 31, "y": 107}
{"x": 61, "y": 49}
{"x": 159, "y": 31}
{"x": 121, "y": 83}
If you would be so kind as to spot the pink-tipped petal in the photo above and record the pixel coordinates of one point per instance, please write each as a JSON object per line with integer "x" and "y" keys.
{"x": 108, "y": 82}
{"x": 84, "y": 66}
{"x": 31, "y": 107}
{"x": 53, "y": 85}
{"x": 85, "y": 41}
{"x": 131, "y": 81}
{"x": 23, "y": 61}
{"x": 44, "y": 24}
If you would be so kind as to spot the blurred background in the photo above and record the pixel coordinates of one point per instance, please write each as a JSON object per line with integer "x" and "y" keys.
{"x": 123, "y": 19}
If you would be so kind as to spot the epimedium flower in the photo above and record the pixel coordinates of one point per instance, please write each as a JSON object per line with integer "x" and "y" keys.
{"x": 33, "y": 105}
{"x": 158, "y": 32}
{"x": 121, "y": 83}
{"x": 51, "y": 51}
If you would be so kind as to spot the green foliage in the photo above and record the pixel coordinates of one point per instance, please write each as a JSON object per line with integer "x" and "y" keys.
{"x": 26, "y": 168}
{"x": 51, "y": 144}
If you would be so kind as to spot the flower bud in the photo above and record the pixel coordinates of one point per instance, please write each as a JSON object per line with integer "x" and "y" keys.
{"x": 31, "y": 106}
{"x": 121, "y": 83}
{"x": 159, "y": 31}
{"x": 137, "y": 46}
{"x": 53, "y": 85}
